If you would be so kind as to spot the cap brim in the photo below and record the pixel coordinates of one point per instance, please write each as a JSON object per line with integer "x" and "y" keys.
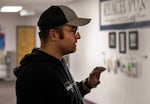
{"x": 79, "y": 22}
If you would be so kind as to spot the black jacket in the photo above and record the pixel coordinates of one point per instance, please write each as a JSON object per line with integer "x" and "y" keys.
{"x": 43, "y": 79}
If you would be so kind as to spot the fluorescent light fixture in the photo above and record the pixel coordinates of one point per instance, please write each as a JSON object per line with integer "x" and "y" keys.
{"x": 11, "y": 8}
{"x": 27, "y": 13}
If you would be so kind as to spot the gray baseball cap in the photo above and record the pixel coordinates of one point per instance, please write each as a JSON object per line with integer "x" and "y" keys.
{"x": 59, "y": 15}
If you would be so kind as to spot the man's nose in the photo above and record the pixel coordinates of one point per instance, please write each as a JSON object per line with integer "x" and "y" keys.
{"x": 78, "y": 35}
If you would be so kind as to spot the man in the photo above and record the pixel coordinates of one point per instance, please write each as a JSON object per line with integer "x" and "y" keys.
{"x": 43, "y": 76}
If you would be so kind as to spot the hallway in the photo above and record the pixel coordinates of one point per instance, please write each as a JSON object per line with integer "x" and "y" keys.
{"x": 7, "y": 92}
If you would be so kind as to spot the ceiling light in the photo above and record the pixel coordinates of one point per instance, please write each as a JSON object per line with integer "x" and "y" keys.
{"x": 11, "y": 8}
{"x": 27, "y": 13}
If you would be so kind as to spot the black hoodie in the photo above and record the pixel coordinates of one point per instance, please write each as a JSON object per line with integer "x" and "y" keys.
{"x": 43, "y": 79}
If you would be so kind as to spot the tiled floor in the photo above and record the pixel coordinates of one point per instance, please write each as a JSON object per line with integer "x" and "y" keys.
{"x": 7, "y": 92}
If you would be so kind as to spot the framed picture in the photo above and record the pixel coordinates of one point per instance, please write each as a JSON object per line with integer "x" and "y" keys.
{"x": 133, "y": 40}
{"x": 122, "y": 42}
{"x": 112, "y": 39}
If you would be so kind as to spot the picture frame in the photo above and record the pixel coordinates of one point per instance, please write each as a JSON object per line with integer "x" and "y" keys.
{"x": 112, "y": 39}
{"x": 133, "y": 40}
{"x": 122, "y": 42}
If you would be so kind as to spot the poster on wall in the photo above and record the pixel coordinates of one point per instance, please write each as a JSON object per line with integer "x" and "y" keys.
{"x": 124, "y": 14}
{"x": 2, "y": 41}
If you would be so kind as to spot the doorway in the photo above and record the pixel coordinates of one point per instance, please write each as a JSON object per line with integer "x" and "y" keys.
{"x": 25, "y": 41}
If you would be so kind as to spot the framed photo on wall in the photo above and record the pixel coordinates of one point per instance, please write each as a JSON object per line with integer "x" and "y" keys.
{"x": 112, "y": 39}
{"x": 133, "y": 40}
{"x": 122, "y": 42}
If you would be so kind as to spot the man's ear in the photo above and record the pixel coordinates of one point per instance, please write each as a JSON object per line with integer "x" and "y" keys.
{"x": 52, "y": 34}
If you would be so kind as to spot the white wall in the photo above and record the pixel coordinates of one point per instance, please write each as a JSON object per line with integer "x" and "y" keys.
{"x": 114, "y": 88}
{"x": 8, "y": 23}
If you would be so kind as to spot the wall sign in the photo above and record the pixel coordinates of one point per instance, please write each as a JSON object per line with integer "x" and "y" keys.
{"x": 133, "y": 40}
{"x": 112, "y": 40}
{"x": 124, "y": 14}
{"x": 122, "y": 42}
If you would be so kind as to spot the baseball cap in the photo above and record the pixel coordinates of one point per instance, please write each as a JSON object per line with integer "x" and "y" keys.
{"x": 57, "y": 15}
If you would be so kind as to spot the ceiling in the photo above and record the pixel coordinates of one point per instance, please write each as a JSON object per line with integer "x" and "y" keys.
{"x": 36, "y": 6}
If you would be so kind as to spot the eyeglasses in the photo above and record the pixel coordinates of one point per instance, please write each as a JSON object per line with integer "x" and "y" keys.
{"x": 73, "y": 31}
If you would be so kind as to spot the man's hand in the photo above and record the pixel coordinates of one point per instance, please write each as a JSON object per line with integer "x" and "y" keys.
{"x": 94, "y": 78}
